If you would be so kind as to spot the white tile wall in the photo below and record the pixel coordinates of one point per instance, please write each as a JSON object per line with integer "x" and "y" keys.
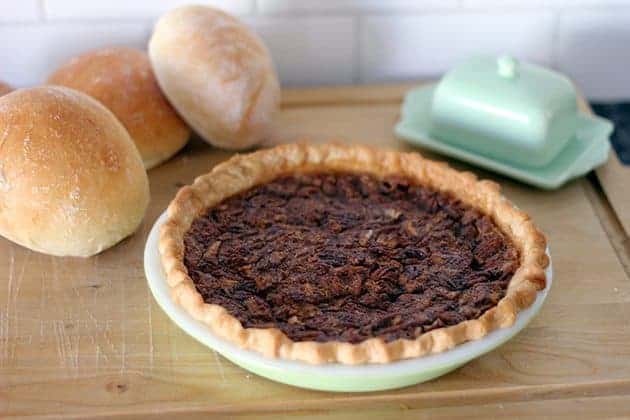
{"x": 536, "y": 4}
{"x": 346, "y": 41}
{"x": 36, "y": 50}
{"x": 317, "y": 51}
{"x": 19, "y": 11}
{"x": 594, "y": 49}
{"x": 131, "y": 9}
{"x": 506, "y": 4}
{"x": 361, "y": 6}
{"x": 590, "y": 4}
{"x": 408, "y": 47}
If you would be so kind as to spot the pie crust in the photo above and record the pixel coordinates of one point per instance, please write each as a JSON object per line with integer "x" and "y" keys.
{"x": 243, "y": 172}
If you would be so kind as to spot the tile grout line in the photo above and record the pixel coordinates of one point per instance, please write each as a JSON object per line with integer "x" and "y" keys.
{"x": 255, "y": 12}
{"x": 458, "y": 9}
{"x": 41, "y": 11}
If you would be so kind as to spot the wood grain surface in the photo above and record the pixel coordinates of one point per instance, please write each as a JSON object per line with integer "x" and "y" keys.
{"x": 615, "y": 180}
{"x": 84, "y": 337}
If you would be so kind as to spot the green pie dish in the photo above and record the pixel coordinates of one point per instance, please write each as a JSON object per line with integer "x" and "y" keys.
{"x": 329, "y": 377}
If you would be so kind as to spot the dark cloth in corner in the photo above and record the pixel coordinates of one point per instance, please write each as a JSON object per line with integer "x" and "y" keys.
{"x": 619, "y": 114}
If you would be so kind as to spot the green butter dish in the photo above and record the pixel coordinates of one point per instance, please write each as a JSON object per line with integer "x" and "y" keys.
{"x": 329, "y": 377}
{"x": 514, "y": 118}
{"x": 515, "y": 112}
{"x": 486, "y": 138}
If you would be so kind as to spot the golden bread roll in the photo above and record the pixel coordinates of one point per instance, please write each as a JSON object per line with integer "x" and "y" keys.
{"x": 71, "y": 179}
{"x": 123, "y": 81}
{"x": 217, "y": 74}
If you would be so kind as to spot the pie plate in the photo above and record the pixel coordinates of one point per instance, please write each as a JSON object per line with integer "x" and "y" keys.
{"x": 588, "y": 149}
{"x": 329, "y": 377}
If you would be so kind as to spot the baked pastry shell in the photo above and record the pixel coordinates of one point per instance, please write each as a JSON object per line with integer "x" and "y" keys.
{"x": 243, "y": 172}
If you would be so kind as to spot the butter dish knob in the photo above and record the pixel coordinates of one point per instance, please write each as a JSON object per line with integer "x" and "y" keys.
{"x": 507, "y": 66}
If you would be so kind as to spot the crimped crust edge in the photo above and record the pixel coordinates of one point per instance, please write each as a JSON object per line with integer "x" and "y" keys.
{"x": 242, "y": 172}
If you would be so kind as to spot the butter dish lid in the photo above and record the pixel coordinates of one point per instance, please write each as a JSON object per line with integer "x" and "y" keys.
{"x": 588, "y": 147}
{"x": 505, "y": 109}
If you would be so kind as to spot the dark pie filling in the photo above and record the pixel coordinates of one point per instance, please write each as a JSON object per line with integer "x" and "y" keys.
{"x": 347, "y": 257}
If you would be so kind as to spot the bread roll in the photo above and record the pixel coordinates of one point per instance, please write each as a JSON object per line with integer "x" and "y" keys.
{"x": 123, "y": 81}
{"x": 71, "y": 180}
{"x": 4, "y": 88}
{"x": 217, "y": 74}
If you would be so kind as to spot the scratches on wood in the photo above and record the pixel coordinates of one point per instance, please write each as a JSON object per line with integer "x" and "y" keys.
{"x": 5, "y": 316}
{"x": 219, "y": 364}
{"x": 67, "y": 343}
{"x": 10, "y": 316}
{"x": 95, "y": 337}
{"x": 123, "y": 325}
{"x": 151, "y": 349}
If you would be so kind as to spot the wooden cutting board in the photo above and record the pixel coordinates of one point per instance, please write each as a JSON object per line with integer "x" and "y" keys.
{"x": 84, "y": 337}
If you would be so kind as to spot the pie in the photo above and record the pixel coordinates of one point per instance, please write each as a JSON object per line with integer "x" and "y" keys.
{"x": 347, "y": 254}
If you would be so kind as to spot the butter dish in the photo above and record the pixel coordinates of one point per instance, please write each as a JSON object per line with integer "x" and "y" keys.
{"x": 519, "y": 120}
